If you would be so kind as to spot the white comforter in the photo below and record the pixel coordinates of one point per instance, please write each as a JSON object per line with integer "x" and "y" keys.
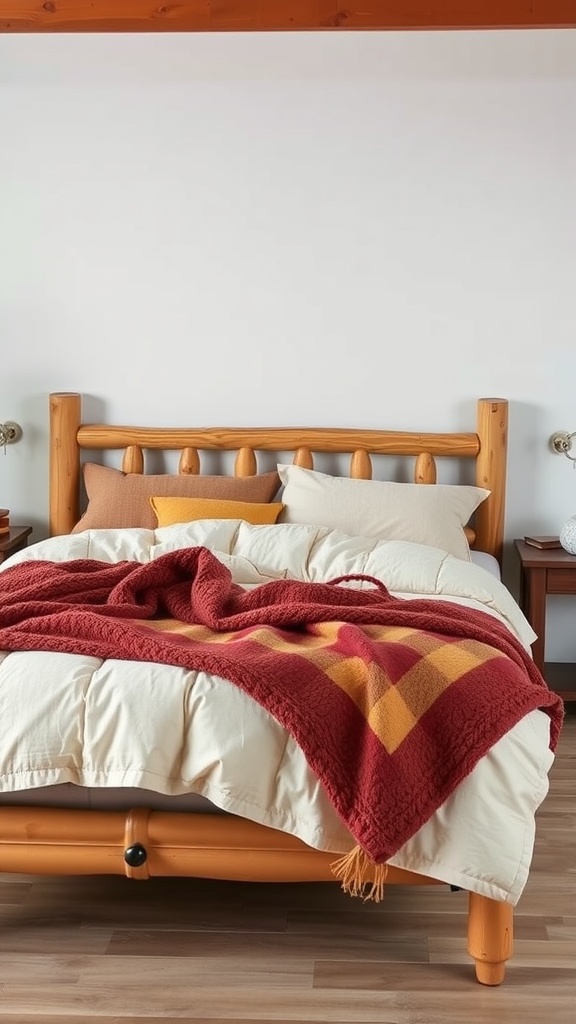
{"x": 110, "y": 724}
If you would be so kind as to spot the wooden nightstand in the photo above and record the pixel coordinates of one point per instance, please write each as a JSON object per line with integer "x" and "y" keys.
{"x": 543, "y": 572}
{"x": 14, "y": 541}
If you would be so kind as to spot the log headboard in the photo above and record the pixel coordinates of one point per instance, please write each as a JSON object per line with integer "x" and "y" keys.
{"x": 486, "y": 445}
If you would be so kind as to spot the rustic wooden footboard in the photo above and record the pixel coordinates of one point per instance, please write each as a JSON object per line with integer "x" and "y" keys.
{"x": 143, "y": 844}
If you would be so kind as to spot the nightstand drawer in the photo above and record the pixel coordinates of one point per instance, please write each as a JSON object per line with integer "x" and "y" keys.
{"x": 561, "y": 581}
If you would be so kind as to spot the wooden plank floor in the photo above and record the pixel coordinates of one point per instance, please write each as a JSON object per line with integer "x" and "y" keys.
{"x": 84, "y": 951}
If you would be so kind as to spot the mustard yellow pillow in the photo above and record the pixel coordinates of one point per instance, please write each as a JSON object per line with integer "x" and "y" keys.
{"x": 186, "y": 510}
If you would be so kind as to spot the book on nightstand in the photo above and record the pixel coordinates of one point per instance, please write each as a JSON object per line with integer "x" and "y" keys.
{"x": 543, "y": 541}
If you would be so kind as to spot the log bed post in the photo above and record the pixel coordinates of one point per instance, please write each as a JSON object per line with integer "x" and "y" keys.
{"x": 490, "y": 937}
{"x": 492, "y": 427}
{"x": 65, "y": 417}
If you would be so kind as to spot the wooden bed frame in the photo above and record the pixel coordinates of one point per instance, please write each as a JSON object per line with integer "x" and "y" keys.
{"x": 142, "y": 843}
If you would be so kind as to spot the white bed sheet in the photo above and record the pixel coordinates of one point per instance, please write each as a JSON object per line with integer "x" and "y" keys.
{"x": 487, "y": 562}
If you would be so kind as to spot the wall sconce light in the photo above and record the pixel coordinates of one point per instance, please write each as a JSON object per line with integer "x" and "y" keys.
{"x": 10, "y": 432}
{"x": 562, "y": 443}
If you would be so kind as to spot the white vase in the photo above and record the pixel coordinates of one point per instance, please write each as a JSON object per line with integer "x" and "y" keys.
{"x": 568, "y": 535}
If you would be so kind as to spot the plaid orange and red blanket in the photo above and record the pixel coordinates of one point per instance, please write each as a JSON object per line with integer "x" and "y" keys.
{"x": 393, "y": 701}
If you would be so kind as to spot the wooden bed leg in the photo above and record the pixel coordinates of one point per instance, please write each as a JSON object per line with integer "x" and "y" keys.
{"x": 490, "y": 937}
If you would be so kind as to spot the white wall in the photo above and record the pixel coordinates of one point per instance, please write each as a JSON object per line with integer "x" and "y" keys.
{"x": 352, "y": 229}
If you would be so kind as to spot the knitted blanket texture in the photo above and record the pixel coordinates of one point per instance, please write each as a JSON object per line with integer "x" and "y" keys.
{"x": 392, "y": 701}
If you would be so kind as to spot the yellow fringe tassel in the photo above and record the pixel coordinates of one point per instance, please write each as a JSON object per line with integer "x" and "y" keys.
{"x": 356, "y": 871}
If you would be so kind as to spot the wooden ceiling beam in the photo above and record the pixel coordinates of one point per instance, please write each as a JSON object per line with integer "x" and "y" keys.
{"x": 280, "y": 15}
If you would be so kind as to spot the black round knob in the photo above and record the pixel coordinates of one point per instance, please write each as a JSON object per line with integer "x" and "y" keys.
{"x": 135, "y": 855}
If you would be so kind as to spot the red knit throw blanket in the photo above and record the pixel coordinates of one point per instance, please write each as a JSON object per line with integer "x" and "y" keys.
{"x": 393, "y": 702}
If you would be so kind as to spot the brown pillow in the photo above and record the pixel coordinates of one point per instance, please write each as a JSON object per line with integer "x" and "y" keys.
{"x": 117, "y": 500}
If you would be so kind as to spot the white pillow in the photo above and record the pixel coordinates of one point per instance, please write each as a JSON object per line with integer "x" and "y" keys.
{"x": 433, "y": 514}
